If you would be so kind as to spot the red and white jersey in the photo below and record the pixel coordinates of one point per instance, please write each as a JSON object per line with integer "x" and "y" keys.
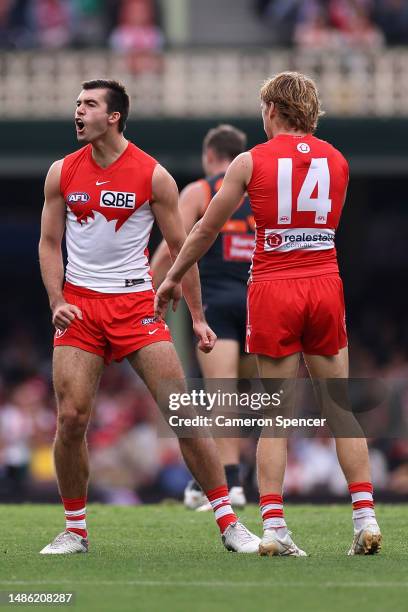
{"x": 109, "y": 220}
{"x": 297, "y": 191}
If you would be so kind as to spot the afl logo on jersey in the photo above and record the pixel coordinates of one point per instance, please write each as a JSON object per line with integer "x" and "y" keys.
{"x": 303, "y": 147}
{"x": 78, "y": 197}
{"x": 117, "y": 199}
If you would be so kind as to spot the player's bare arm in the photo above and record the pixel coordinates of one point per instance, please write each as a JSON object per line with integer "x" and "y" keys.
{"x": 166, "y": 212}
{"x": 51, "y": 262}
{"x": 191, "y": 207}
{"x": 206, "y": 230}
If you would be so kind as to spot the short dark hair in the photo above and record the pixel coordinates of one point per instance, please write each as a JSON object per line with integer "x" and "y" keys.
{"x": 226, "y": 140}
{"x": 117, "y": 98}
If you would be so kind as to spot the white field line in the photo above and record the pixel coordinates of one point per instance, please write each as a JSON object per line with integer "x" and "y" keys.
{"x": 200, "y": 583}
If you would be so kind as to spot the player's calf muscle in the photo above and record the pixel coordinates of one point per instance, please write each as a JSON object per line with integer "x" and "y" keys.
{"x": 200, "y": 455}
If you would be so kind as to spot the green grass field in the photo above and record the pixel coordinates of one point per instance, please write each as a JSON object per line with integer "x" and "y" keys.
{"x": 166, "y": 558}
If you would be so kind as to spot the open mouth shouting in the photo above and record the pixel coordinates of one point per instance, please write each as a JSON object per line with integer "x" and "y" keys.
{"x": 80, "y": 126}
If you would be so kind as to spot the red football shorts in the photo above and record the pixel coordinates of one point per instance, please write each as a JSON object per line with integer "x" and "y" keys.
{"x": 296, "y": 315}
{"x": 114, "y": 324}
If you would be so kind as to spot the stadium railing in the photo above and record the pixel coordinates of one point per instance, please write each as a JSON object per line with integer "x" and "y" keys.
{"x": 204, "y": 83}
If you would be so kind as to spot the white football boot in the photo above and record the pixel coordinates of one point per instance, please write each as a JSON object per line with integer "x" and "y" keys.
{"x": 237, "y": 499}
{"x": 66, "y": 543}
{"x": 367, "y": 541}
{"x": 272, "y": 544}
{"x": 237, "y": 538}
{"x": 194, "y": 498}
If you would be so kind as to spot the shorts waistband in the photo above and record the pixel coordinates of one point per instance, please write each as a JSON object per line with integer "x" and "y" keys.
{"x": 90, "y": 293}
{"x": 294, "y": 276}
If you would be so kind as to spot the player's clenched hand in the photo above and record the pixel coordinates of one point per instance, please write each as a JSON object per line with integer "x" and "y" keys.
{"x": 63, "y": 314}
{"x": 168, "y": 291}
{"x": 206, "y": 336}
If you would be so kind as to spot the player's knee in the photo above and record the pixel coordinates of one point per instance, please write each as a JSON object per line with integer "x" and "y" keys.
{"x": 72, "y": 422}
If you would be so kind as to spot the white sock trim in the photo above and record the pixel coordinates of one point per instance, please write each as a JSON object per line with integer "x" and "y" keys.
{"x": 274, "y": 523}
{"x": 223, "y": 512}
{"x": 220, "y": 500}
{"x": 361, "y": 496}
{"x": 75, "y": 524}
{"x": 268, "y": 507}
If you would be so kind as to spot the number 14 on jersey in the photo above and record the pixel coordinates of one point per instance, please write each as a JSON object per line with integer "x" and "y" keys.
{"x": 317, "y": 180}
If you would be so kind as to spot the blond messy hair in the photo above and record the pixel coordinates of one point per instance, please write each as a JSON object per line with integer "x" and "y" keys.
{"x": 296, "y": 99}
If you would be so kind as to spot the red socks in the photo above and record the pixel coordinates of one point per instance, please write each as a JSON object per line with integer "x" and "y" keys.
{"x": 75, "y": 515}
{"x": 272, "y": 511}
{"x": 363, "y": 503}
{"x": 361, "y": 496}
{"x": 220, "y": 502}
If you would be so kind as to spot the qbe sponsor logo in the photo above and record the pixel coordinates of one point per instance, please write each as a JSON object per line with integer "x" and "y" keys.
{"x": 300, "y": 238}
{"x": 78, "y": 197}
{"x": 117, "y": 199}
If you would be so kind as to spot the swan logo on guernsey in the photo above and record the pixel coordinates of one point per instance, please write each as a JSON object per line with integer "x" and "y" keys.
{"x": 298, "y": 238}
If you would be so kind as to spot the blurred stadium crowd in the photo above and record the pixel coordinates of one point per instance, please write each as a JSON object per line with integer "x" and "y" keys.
{"x": 130, "y": 463}
{"x": 127, "y": 457}
{"x": 121, "y": 25}
{"x": 134, "y": 25}
{"x": 333, "y": 24}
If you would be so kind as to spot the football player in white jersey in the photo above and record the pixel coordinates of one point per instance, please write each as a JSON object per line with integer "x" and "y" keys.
{"x": 105, "y": 311}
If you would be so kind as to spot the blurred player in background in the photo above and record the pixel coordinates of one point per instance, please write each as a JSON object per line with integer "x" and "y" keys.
{"x": 106, "y": 196}
{"x": 224, "y": 273}
{"x": 297, "y": 187}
